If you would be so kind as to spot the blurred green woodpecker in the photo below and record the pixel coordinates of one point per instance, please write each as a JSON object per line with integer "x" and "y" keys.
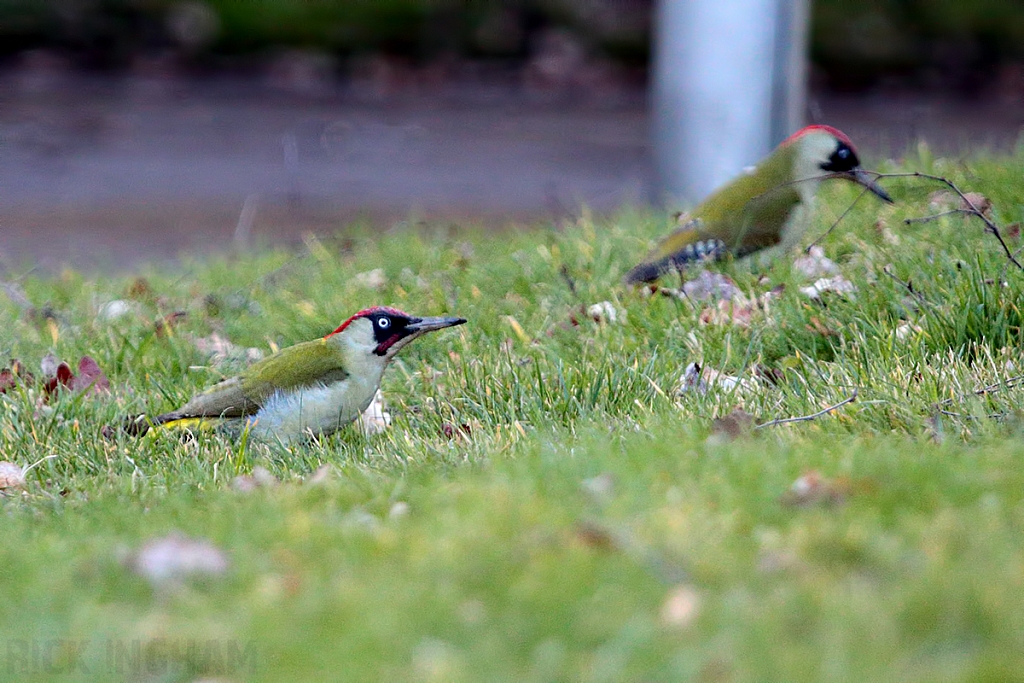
{"x": 312, "y": 388}
{"x": 768, "y": 208}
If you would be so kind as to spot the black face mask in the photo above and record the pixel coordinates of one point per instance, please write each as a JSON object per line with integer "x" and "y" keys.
{"x": 844, "y": 159}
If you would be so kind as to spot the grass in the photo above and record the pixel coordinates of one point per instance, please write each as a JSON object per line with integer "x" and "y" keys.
{"x": 547, "y": 543}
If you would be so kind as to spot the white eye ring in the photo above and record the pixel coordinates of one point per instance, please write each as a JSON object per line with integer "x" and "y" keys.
{"x": 383, "y": 323}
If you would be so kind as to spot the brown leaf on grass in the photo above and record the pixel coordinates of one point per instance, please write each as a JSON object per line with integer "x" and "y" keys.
{"x": 820, "y": 328}
{"x": 220, "y": 350}
{"x": 140, "y": 289}
{"x": 592, "y": 535}
{"x": 375, "y": 419}
{"x": 58, "y": 374}
{"x": 740, "y": 309}
{"x": 164, "y": 326}
{"x": 708, "y": 286}
{"x": 982, "y": 203}
{"x": 732, "y": 426}
{"x": 452, "y": 431}
{"x": 90, "y": 376}
{"x": 815, "y": 264}
{"x": 14, "y": 375}
{"x": 838, "y": 284}
{"x": 604, "y": 312}
{"x": 12, "y": 476}
{"x": 944, "y": 200}
{"x": 812, "y": 488}
{"x": 1012, "y": 231}
{"x": 260, "y": 478}
{"x": 727, "y": 312}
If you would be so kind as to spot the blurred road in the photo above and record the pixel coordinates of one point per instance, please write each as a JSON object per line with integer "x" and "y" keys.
{"x": 104, "y": 173}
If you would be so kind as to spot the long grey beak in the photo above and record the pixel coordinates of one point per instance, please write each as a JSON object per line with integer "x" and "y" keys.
{"x": 863, "y": 178}
{"x": 420, "y": 325}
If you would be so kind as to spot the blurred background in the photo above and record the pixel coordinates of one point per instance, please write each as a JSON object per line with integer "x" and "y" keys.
{"x": 133, "y": 130}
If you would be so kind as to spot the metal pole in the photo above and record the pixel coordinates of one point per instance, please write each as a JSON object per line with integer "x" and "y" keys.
{"x": 728, "y": 81}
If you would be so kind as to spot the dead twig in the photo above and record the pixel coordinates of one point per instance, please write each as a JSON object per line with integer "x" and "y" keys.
{"x": 807, "y": 418}
{"x": 837, "y": 222}
{"x": 936, "y": 216}
{"x": 971, "y": 209}
{"x": 907, "y": 286}
{"x": 567, "y": 276}
{"x": 1008, "y": 383}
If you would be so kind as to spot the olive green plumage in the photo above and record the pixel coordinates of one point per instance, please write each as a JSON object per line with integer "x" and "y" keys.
{"x": 314, "y": 362}
{"x": 740, "y": 218}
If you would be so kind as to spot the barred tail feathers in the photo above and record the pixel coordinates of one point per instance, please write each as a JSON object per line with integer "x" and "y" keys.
{"x": 683, "y": 247}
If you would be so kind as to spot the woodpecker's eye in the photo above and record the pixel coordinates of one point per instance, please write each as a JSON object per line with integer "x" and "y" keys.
{"x": 842, "y": 160}
{"x": 383, "y": 323}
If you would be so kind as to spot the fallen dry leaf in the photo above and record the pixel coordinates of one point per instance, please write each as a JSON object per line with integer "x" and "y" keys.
{"x": 320, "y": 476}
{"x": 907, "y": 329}
{"x": 819, "y": 327}
{"x": 221, "y": 350}
{"x": 681, "y": 607}
{"x": 375, "y": 419}
{"x": 90, "y": 376}
{"x": 604, "y": 312}
{"x": 450, "y": 431}
{"x": 838, "y": 284}
{"x": 709, "y": 286}
{"x": 740, "y": 309}
{"x": 593, "y": 535}
{"x": 944, "y": 200}
{"x": 12, "y": 476}
{"x": 812, "y": 488}
{"x": 165, "y": 326}
{"x": 695, "y": 378}
{"x": 371, "y": 279}
{"x": 14, "y": 375}
{"x": 58, "y": 374}
{"x": 118, "y": 308}
{"x": 815, "y": 264}
{"x": 260, "y": 478}
{"x": 732, "y": 426}
{"x": 175, "y": 557}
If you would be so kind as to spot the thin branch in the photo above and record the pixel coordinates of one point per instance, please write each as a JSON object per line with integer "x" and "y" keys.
{"x": 564, "y": 272}
{"x": 807, "y": 418}
{"x": 936, "y": 216}
{"x": 971, "y": 208}
{"x": 838, "y": 221}
{"x": 1008, "y": 383}
{"x": 906, "y": 285}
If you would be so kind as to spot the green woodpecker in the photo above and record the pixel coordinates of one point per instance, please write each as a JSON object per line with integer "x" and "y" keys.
{"x": 768, "y": 208}
{"x": 315, "y": 387}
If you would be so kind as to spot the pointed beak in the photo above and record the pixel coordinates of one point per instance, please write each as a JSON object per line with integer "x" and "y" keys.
{"x": 863, "y": 178}
{"x": 421, "y": 325}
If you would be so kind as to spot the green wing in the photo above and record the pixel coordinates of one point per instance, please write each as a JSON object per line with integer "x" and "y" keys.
{"x": 748, "y": 214}
{"x": 304, "y": 364}
{"x": 313, "y": 362}
{"x": 741, "y": 218}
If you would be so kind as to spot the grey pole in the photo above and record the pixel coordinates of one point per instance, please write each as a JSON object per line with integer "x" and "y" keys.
{"x": 728, "y": 85}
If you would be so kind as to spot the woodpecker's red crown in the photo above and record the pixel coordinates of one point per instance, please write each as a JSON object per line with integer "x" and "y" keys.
{"x": 834, "y": 132}
{"x": 371, "y": 312}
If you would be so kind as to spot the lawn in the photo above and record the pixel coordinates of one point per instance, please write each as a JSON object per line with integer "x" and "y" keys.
{"x": 546, "y": 504}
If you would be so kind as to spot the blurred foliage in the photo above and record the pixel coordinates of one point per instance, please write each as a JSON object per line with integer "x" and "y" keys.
{"x": 943, "y": 42}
